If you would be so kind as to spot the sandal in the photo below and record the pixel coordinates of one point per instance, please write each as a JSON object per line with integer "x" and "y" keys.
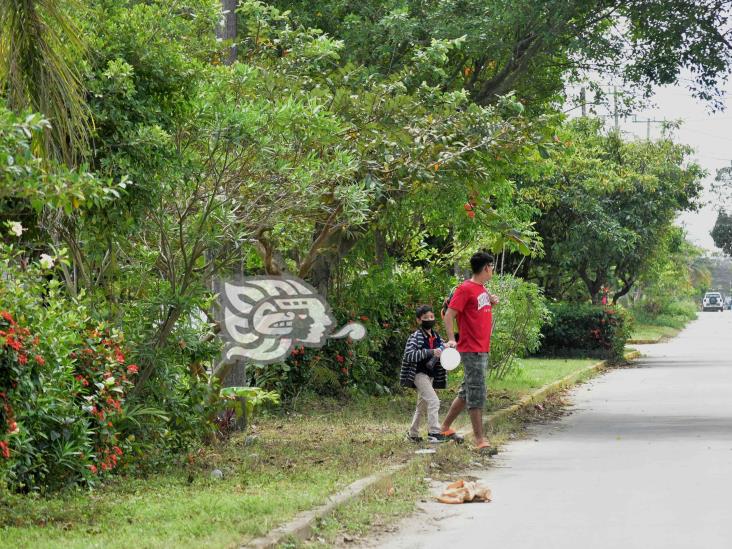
{"x": 486, "y": 449}
{"x": 453, "y": 435}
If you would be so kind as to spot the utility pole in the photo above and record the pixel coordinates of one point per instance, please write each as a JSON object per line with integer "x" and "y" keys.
{"x": 583, "y": 100}
{"x": 648, "y": 122}
{"x": 615, "y": 108}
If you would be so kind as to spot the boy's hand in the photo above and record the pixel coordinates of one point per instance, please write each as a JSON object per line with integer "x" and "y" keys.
{"x": 452, "y": 344}
{"x": 494, "y": 299}
{"x": 436, "y": 352}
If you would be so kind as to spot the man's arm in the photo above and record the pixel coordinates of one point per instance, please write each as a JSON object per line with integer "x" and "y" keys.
{"x": 449, "y": 319}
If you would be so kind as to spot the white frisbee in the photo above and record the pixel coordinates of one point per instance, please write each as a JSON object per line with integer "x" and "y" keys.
{"x": 450, "y": 358}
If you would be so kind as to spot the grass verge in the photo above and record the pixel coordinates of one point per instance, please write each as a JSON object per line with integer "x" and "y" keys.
{"x": 287, "y": 463}
{"x": 651, "y": 333}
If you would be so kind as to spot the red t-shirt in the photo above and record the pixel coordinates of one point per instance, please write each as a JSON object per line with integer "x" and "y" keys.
{"x": 475, "y": 317}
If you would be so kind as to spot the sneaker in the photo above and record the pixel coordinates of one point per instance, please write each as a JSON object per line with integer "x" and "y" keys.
{"x": 436, "y": 438}
{"x": 414, "y": 439}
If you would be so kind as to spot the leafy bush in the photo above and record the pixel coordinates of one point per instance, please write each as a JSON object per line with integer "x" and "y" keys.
{"x": 518, "y": 320}
{"x": 384, "y": 299}
{"x": 583, "y": 329}
{"x": 673, "y": 314}
{"x": 64, "y": 379}
{"x": 61, "y": 420}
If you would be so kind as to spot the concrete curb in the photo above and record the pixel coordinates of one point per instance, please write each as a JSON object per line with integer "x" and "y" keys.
{"x": 302, "y": 526}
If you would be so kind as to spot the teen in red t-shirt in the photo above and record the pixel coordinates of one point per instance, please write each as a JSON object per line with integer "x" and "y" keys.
{"x": 474, "y": 317}
{"x": 472, "y": 306}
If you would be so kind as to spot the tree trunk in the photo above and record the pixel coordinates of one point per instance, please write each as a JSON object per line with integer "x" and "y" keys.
{"x": 627, "y": 285}
{"x": 228, "y": 31}
{"x": 593, "y": 286}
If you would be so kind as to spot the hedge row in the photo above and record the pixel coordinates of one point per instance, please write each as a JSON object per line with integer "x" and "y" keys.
{"x": 587, "y": 330}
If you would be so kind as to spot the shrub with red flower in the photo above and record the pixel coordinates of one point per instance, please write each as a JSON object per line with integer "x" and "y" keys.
{"x": 17, "y": 373}
{"x": 104, "y": 379}
{"x": 591, "y": 330}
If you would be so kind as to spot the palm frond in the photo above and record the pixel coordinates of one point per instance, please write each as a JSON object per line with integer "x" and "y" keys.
{"x": 40, "y": 47}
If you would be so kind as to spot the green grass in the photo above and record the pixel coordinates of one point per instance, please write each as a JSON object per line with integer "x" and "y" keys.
{"x": 665, "y": 324}
{"x": 296, "y": 460}
{"x": 649, "y": 332}
{"x": 532, "y": 374}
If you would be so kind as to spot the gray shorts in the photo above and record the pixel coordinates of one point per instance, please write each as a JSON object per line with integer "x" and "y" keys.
{"x": 473, "y": 389}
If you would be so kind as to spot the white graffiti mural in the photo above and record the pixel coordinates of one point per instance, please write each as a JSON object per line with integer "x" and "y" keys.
{"x": 266, "y": 317}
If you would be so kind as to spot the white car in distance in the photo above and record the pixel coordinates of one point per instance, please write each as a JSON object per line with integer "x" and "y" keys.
{"x": 713, "y": 302}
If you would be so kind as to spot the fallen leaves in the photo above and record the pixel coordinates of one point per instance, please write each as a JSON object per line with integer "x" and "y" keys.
{"x": 461, "y": 491}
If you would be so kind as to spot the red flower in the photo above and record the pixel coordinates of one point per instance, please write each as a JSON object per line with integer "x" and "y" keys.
{"x": 39, "y": 360}
{"x": 364, "y": 318}
{"x": 132, "y": 369}
{"x": 23, "y": 359}
{"x": 344, "y": 370}
{"x": 117, "y": 450}
{"x": 4, "y": 449}
{"x": 7, "y": 317}
{"x": 13, "y": 343}
{"x": 340, "y": 358}
{"x": 120, "y": 357}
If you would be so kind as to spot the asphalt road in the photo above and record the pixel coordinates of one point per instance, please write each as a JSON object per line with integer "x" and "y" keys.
{"x": 644, "y": 461}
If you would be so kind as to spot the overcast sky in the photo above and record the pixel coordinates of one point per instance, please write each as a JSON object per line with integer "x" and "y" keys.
{"x": 709, "y": 134}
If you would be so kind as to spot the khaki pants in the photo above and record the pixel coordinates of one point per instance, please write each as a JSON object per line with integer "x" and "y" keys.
{"x": 428, "y": 404}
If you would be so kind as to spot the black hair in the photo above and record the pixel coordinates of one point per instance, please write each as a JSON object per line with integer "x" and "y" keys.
{"x": 479, "y": 261}
{"x": 423, "y": 310}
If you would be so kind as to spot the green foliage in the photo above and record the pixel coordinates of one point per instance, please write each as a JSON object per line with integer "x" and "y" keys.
{"x": 534, "y": 46}
{"x": 254, "y": 398}
{"x": 63, "y": 384}
{"x": 606, "y": 207}
{"x": 40, "y": 51}
{"x": 519, "y": 318}
{"x": 722, "y": 232}
{"x": 26, "y": 176}
{"x": 586, "y": 330}
{"x": 384, "y": 299}
{"x": 671, "y": 313}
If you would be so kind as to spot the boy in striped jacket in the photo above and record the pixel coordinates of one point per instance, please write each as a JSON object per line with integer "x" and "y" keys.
{"x": 421, "y": 370}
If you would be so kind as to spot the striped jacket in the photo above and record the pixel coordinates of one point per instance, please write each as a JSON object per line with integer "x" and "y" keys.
{"x": 416, "y": 351}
